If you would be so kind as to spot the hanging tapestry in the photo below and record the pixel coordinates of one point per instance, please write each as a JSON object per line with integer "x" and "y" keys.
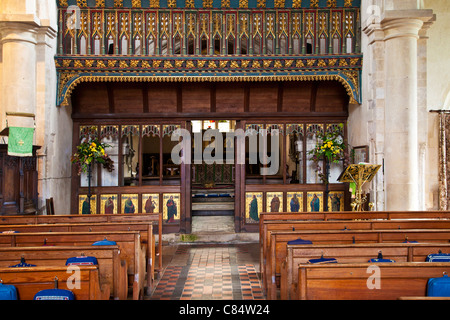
{"x": 20, "y": 142}
{"x": 444, "y": 161}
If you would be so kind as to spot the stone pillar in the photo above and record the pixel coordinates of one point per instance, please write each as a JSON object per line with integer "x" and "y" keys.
{"x": 18, "y": 91}
{"x": 401, "y": 150}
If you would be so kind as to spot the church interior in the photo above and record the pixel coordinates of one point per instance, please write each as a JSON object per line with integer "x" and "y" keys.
{"x": 225, "y": 149}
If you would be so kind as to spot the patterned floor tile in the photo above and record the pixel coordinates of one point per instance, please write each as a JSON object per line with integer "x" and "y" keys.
{"x": 211, "y": 272}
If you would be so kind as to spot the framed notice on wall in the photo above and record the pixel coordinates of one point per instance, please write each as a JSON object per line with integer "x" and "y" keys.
{"x": 360, "y": 154}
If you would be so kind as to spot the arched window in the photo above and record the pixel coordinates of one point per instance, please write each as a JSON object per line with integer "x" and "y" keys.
{"x": 230, "y": 46}
{"x": 124, "y": 45}
{"x": 244, "y": 44}
{"x": 269, "y": 45}
{"x": 204, "y": 45}
{"x": 151, "y": 46}
{"x": 217, "y": 46}
{"x": 177, "y": 45}
{"x": 283, "y": 44}
{"x": 83, "y": 45}
{"x": 257, "y": 44}
{"x": 137, "y": 46}
{"x": 191, "y": 45}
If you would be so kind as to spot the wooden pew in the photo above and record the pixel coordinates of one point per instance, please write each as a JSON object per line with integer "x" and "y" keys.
{"x": 145, "y": 229}
{"x": 92, "y": 219}
{"x": 278, "y": 244}
{"x": 286, "y": 225}
{"x": 112, "y": 270}
{"x": 348, "y": 281}
{"x": 30, "y": 280}
{"x": 352, "y": 215}
{"x": 348, "y": 216}
{"x": 133, "y": 251}
{"x": 350, "y": 253}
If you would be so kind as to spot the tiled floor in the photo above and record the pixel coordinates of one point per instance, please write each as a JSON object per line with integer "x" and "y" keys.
{"x": 221, "y": 224}
{"x": 210, "y": 272}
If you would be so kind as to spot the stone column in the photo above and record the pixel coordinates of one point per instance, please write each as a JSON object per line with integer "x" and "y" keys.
{"x": 401, "y": 165}
{"x": 18, "y": 91}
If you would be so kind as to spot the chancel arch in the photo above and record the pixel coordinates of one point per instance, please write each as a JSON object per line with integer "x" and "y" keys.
{"x": 146, "y": 72}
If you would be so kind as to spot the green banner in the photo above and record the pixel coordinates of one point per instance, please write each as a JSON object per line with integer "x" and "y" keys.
{"x": 20, "y": 141}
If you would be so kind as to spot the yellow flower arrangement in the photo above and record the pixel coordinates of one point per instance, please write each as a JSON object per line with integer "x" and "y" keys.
{"x": 330, "y": 147}
{"x": 90, "y": 152}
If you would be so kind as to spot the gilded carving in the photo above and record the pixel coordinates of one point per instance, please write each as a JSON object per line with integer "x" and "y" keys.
{"x": 82, "y": 3}
{"x": 154, "y": 3}
{"x": 207, "y": 3}
{"x": 243, "y": 3}
{"x": 167, "y": 65}
{"x": 100, "y": 64}
{"x": 78, "y": 64}
{"x": 234, "y": 64}
{"x": 69, "y": 80}
{"x": 136, "y": 3}
{"x": 255, "y": 64}
{"x": 225, "y": 3}
{"x": 288, "y": 63}
{"x": 279, "y": 3}
{"x": 353, "y": 61}
{"x": 310, "y": 62}
{"x": 321, "y": 63}
{"x": 331, "y": 3}
{"x": 267, "y": 63}
{"x": 296, "y": 3}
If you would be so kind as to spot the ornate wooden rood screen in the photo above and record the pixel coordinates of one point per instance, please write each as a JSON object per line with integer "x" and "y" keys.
{"x": 136, "y": 70}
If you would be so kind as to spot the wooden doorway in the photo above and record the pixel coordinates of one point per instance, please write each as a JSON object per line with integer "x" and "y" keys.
{"x": 212, "y": 169}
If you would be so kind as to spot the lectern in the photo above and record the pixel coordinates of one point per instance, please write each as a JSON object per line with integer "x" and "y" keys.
{"x": 359, "y": 174}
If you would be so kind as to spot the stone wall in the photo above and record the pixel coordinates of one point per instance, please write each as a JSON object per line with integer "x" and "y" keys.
{"x": 392, "y": 117}
{"x": 28, "y": 30}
